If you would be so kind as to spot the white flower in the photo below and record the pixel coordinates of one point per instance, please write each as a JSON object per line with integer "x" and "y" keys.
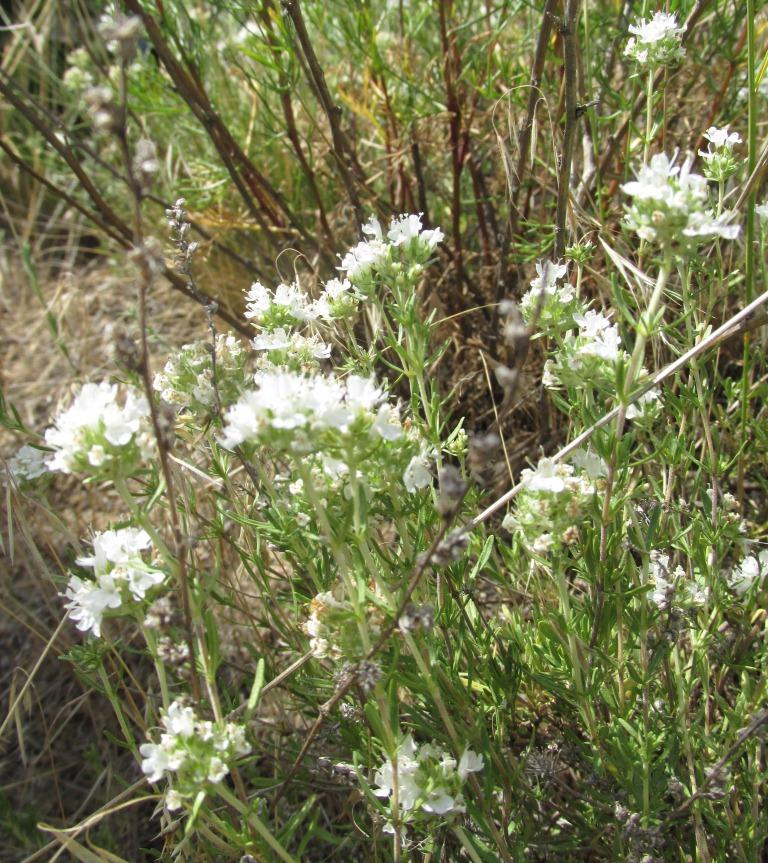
{"x": 589, "y": 462}
{"x": 196, "y": 750}
{"x": 417, "y": 475}
{"x": 548, "y": 273}
{"x": 598, "y": 338}
{"x": 639, "y": 407}
{"x": 88, "y": 600}
{"x": 671, "y": 205}
{"x": 761, "y": 210}
{"x": 115, "y": 546}
{"x": 428, "y": 776}
{"x": 293, "y": 344}
{"x": 173, "y": 800}
{"x": 387, "y": 422}
{"x": 156, "y": 761}
{"x": 358, "y": 261}
{"x": 661, "y": 26}
{"x": 116, "y": 561}
{"x": 94, "y": 424}
{"x": 549, "y": 476}
{"x": 470, "y": 762}
{"x": 407, "y": 767}
{"x": 721, "y": 138}
{"x": 28, "y": 463}
{"x": 543, "y": 544}
{"x": 406, "y": 228}
{"x": 657, "y": 41}
{"x": 753, "y": 568}
{"x": 288, "y": 401}
{"x": 217, "y": 769}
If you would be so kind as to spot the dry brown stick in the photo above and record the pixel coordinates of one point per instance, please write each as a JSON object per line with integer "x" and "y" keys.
{"x": 91, "y": 215}
{"x": 512, "y": 221}
{"x": 106, "y": 214}
{"x": 143, "y": 258}
{"x": 7, "y": 90}
{"x": 342, "y": 151}
{"x": 570, "y": 62}
{"x": 290, "y": 123}
{"x": 232, "y": 155}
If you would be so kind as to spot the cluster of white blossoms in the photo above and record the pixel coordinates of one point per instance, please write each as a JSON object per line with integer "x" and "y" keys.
{"x": 553, "y": 500}
{"x": 305, "y": 406}
{"x": 587, "y": 356}
{"x": 719, "y": 159}
{"x": 28, "y": 464}
{"x": 120, "y": 577}
{"x": 414, "y": 247}
{"x": 670, "y": 206}
{"x": 753, "y": 569}
{"x": 655, "y": 42}
{"x": 556, "y": 304}
{"x": 428, "y": 779}
{"x": 187, "y": 378}
{"x": 289, "y": 305}
{"x": 672, "y": 589}
{"x": 290, "y": 349}
{"x": 98, "y": 435}
{"x": 196, "y": 750}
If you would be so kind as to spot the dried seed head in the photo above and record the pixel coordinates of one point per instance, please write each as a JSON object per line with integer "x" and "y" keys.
{"x": 166, "y": 425}
{"x": 106, "y": 115}
{"x": 416, "y": 617}
{"x": 173, "y": 653}
{"x": 452, "y": 489}
{"x": 368, "y": 675}
{"x": 145, "y": 164}
{"x": 450, "y": 549}
{"x": 483, "y": 453}
{"x": 127, "y": 352}
{"x": 160, "y": 614}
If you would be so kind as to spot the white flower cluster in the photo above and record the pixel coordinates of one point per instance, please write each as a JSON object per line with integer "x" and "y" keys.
{"x": 556, "y": 304}
{"x": 417, "y": 474}
{"x": 672, "y": 588}
{"x": 306, "y": 406}
{"x": 120, "y": 576}
{"x": 285, "y": 347}
{"x": 671, "y": 206}
{"x": 586, "y": 357}
{"x": 197, "y": 751}
{"x": 719, "y": 160}
{"x": 753, "y": 569}
{"x": 187, "y": 378}
{"x": 553, "y": 500}
{"x": 428, "y": 779}
{"x": 655, "y": 42}
{"x": 289, "y": 305}
{"x": 96, "y": 434}
{"x": 405, "y": 233}
{"x": 27, "y": 464}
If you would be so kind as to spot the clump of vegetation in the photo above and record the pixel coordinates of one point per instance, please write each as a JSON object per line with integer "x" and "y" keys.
{"x": 444, "y": 540}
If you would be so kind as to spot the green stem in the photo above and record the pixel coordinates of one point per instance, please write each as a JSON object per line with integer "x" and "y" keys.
{"x": 142, "y": 518}
{"x": 254, "y": 821}
{"x": 749, "y": 268}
